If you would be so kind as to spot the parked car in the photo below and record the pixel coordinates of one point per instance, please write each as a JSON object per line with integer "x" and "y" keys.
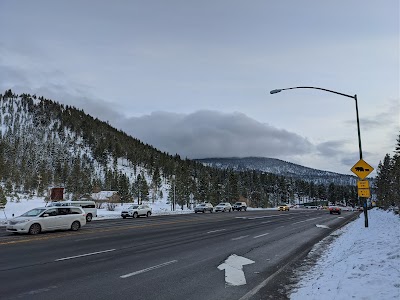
{"x": 136, "y": 210}
{"x": 203, "y": 207}
{"x": 223, "y": 206}
{"x": 89, "y": 207}
{"x": 240, "y": 206}
{"x": 335, "y": 210}
{"x": 283, "y": 207}
{"x": 47, "y": 219}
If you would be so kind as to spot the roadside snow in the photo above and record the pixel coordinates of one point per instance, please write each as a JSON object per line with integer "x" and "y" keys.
{"x": 361, "y": 263}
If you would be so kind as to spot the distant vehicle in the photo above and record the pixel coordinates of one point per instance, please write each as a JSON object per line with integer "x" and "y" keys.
{"x": 88, "y": 206}
{"x": 136, "y": 210}
{"x": 47, "y": 219}
{"x": 240, "y": 206}
{"x": 224, "y": 206}
{"x": 335, "y": 210}
{"x": 203, "y": 207}
{"x": 283, "y": 207}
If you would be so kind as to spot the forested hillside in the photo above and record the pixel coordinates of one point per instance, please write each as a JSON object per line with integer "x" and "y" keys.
{"x": 46, "y": 144}
{"x": 280, "y": 167}
{"x": 387, "y": 184}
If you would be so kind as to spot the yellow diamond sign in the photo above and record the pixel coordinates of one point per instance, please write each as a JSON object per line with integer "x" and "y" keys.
{"x": 362, "y": 169}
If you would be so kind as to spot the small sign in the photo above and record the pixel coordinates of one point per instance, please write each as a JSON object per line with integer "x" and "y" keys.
{"x": 363, "y": 184}
{"x": 362, "y": 169}
{"x": 365, "y": 193}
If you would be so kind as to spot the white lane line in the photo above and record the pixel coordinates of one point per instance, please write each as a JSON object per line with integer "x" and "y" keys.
{"x": 263, "y": 217}
{"x": 149, "y": 269}
{"x": 306, "y": 220}
{"x": 257, "y": 236}
{"x": 239, "y": 238}
{"x": 212, "y": 231}
{"x": 87, "y": 254}
{"x": 266, "y": 222}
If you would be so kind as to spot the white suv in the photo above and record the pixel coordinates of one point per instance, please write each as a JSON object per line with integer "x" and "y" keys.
{"x": 136, "y": 210}
{"x": 89, "y": 207}
{"x": 240, "y": 206}
{"x": 47, "y": 219}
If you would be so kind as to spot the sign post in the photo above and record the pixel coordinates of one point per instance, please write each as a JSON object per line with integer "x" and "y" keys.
{"x": 362, "y": 170}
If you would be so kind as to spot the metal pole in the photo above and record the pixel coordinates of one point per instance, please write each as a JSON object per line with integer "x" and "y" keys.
{"x": 358, "y": 128}
{"x": 362, "y": 199}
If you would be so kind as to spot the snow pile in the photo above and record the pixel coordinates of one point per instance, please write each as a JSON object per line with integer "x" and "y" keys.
{"x": 361, "y": 263}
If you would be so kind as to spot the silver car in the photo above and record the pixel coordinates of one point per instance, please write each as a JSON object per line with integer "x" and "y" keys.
{"x": 203, "y": 207}
{"x": 223, "y": 206}
{"x": 136, "y": 210}
{"x": 48, "y": 219}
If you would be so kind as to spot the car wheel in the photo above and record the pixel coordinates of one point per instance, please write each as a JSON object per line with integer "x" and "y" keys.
{"x": 330, "y": 212}
{"x": 195, "y": 212}
{"x": 123, "y": 217}
{"x": 75, "y": 226}
{"x": 35, "y": 229}
{"x": 135, "y": 215}
{"x": 211, "y": 211}
{"x": 89, "y": 217}
{"x": 148, "y": 214}
{"x": 230, "y": 210}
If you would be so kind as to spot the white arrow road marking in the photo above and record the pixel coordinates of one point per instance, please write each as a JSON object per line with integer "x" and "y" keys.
{"x": 233, "y": 267}
{"x": 322, "y": 226}
{"x": 148, "y": 269}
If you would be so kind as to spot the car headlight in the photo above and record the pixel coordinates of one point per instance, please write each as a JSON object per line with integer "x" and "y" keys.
{"x": 13, "y": 222}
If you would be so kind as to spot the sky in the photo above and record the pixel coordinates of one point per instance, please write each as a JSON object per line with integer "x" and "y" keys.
{"x": 193, "y": 77}
{"x": 353, "y": 262}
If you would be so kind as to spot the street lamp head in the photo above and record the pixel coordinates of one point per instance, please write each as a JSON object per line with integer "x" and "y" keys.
{"x": 275, "y": 91}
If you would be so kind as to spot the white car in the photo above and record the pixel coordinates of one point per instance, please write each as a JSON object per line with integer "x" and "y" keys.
{"x": 203, "y": 207}
{"x": 136, "y": 210}
{"x": 47, "y": 219}
{"x": 89, "y": 207}
{"x": 240, "y": 206}
{"x": 223, "y": 206}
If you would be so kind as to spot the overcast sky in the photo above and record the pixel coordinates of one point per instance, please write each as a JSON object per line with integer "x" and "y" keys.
{"x": 193, "y": 77}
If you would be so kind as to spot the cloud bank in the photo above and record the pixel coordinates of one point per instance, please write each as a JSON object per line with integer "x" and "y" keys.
{"x": 208, "y": 133}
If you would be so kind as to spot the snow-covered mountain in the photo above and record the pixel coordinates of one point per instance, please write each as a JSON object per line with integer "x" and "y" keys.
{"x": 279, "y": 167}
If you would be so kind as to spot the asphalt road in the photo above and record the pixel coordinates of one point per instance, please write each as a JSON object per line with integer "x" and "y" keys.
{"x": 163, "y": 257}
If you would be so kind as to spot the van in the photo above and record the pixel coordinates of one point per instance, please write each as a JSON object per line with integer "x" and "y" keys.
{"x": 89, "y": 207}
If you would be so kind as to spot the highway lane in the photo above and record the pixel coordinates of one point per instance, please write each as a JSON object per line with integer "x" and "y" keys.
{"x": 161, "y": 257}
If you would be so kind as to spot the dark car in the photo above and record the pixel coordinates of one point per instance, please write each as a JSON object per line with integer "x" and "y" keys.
{"x": 335, "y": 210}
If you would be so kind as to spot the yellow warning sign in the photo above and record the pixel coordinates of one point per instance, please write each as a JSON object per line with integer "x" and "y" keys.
{"x": 365, "y": 193}
{"x": 363, "y": 184}
{"x": 362, "y": 169}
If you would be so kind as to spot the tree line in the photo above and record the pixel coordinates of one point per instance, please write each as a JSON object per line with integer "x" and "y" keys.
{"x": 387, "y": 184}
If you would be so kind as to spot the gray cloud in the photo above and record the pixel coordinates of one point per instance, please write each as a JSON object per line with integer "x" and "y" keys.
{"x": 213, "y": 134}
{"x": 331, "y": 148}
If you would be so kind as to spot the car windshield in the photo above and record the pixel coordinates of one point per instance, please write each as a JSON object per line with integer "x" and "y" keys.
{"x": 238, "y": 203}
{"x": 134, "y": 206}
{"x": 33, "y": 212}
{"x": 202, "y": 205}
{"x": 221, "y": 204}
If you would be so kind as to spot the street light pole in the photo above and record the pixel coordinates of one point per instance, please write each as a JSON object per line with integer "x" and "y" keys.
{"x": 358, "y": 126}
